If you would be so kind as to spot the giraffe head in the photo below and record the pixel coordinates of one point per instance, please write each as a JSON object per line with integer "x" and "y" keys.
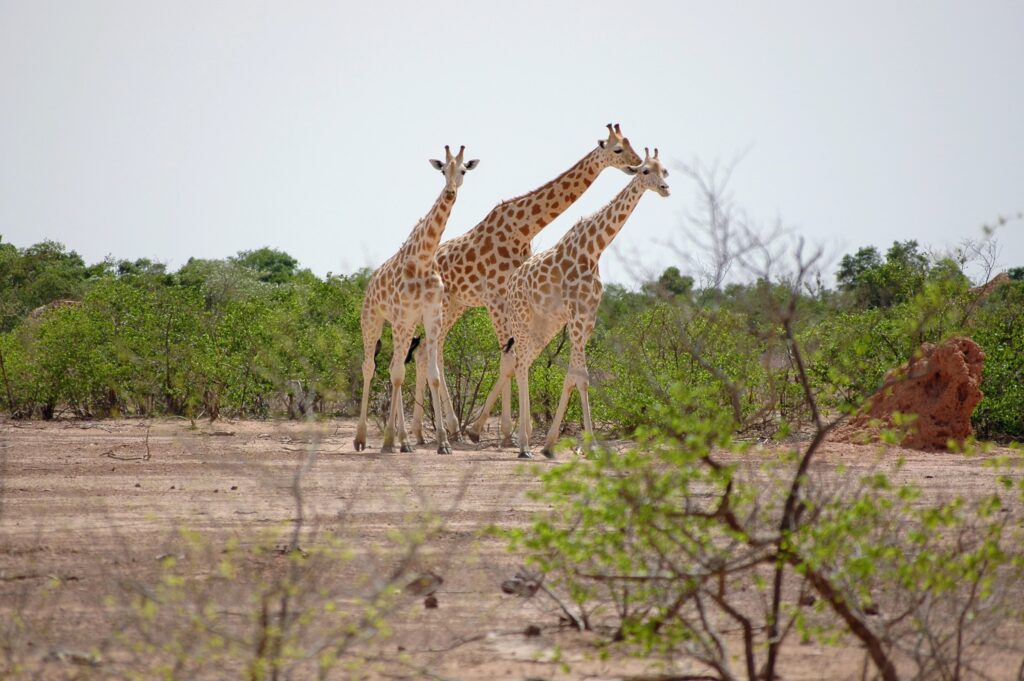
{"x": 454, "y": 168}
{"x": 651, "y": 173}
{"x": 616, "y": 151}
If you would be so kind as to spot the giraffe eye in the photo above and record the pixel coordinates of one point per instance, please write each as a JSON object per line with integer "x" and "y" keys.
{"x": 618, "y": 151}
{"x": 647, "y": 171}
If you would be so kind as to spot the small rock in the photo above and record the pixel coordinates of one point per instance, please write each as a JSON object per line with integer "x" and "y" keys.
{"x": 871, "y": 610}
{"x": 424, "y": 585}
{"x": 430, "y": 602}
{"x": 234, "y": 487}
{"x": 531, "y": 631}
{"x": 138, "y": 484}
{"x": 523, "y": 584}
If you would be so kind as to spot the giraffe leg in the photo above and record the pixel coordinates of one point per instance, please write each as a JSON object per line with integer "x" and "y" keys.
{"x": 419, "y": 355}
{"x": 506, "y": 414}
{"x": 523, "y": 380}
{"x": 502, "y": 388}
{"x": 448, "y": 409}
{"x": 371, "y": 328}
{"x": 556, "y": 424}
{"x": 580, "y": 328}
{"x": 450, "y": 315}
{"x": 504, "y": 332}
{"x": 505, "y": 372}
{"x": 401, "y": 335}
{"x": 430, "y": 324}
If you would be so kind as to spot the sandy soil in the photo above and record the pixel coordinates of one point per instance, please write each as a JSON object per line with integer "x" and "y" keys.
{"x": 92, "y": 505}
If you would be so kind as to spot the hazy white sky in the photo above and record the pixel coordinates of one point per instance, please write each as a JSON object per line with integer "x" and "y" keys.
{"x": 170, "y": 129}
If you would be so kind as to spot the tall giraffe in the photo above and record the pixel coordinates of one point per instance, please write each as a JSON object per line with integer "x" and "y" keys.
{"x": 562, "y": 287}
{"x": 476, "y": 266}
{"x": 405, "y": 290}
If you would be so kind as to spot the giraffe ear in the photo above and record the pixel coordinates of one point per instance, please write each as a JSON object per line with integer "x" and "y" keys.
{"x": 631, "y": 170}
{"x": 602, "y": 143}
{"x": 472, "y": 164}
{"x": 437, "y": 164}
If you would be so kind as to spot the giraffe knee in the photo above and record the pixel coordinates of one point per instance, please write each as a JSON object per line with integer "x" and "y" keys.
{"x": 433, "y": 375}
{"x": 398, "y": 373}
{"x": 580, "y": 376}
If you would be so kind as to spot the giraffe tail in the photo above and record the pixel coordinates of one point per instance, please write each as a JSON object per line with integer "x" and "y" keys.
{"x": 412, "y": 348}
{"x": 509, "y": 344}
{"x": 376, "y": 351}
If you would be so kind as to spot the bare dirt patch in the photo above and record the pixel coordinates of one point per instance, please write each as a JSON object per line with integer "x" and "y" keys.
{"x": 93, "y": 505}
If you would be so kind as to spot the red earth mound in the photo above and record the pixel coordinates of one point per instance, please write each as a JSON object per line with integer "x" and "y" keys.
{"x": 940, "y": 386}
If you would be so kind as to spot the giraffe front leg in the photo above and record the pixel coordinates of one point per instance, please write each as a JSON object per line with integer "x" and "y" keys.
{"x": 371, "y": 328}
{"x": 523, "y": 379}
{"x": 434, "y": 380}
{"x": 396, "y": 418}
{"x": 504, "y": 331}
{"x": 506, "y": 414}
{"x": 368, "y": 369}
{"x": 451, "y": 421}
{"x": 420, "y": 394}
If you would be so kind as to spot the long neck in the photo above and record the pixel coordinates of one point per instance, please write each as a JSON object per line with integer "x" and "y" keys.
{"x": 426, "y": 235}
{"x": 591, "y": 236}
{"x": 526, "y": 215}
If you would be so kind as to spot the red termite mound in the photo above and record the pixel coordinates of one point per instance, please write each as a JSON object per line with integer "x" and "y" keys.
{"x": 940, "y": 386}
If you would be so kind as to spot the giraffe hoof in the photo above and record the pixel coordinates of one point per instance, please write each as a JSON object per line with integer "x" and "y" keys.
{"x": 473, "y": 436}
{"x": 406, "y": 448}
{"x": 547, "y": 452}
{"x": 444, "y": 449}
{"x": 525, "y": 455}
{"x": 387, "y": 449}
{"x": 360, "y": 445}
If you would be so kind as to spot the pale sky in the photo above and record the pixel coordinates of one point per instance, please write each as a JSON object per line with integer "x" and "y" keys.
{"x": 176, "y": 129}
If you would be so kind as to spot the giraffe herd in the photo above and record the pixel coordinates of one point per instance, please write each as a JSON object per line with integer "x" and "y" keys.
{"x": 529, "y": 297}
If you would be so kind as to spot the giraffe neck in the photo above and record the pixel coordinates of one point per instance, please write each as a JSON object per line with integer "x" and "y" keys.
{"x": 528, "y": 214}
{"x": 427, "y": 234}
{"x": 589, "y": 238}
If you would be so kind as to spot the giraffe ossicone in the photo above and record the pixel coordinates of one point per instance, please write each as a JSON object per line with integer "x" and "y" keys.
{"x": 405, "y": 291}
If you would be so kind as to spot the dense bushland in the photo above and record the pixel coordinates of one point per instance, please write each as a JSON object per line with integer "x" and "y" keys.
{"x": 253, "y": 335}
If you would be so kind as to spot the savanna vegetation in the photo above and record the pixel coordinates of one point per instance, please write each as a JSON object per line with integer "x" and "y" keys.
{"x": 690, "y": 542}
{"x": 256, "y": 336}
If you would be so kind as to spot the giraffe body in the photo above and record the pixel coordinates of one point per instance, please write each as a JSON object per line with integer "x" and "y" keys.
{"x": 476, "y": 266}
{"x": 561, "y": 287}
{"x": 405, "y": 291}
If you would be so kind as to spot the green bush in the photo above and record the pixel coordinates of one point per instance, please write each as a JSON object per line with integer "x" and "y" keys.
{"x": 999, "y": 330}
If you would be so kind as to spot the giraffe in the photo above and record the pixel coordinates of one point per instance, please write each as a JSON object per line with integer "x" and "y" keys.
{"x": 404, "y": 291}
{"x": 476, "y": 266}
{"x": 562, "y": 287}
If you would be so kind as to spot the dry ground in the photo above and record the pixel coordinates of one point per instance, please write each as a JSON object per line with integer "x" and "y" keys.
{"x": 93, "y": 504}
